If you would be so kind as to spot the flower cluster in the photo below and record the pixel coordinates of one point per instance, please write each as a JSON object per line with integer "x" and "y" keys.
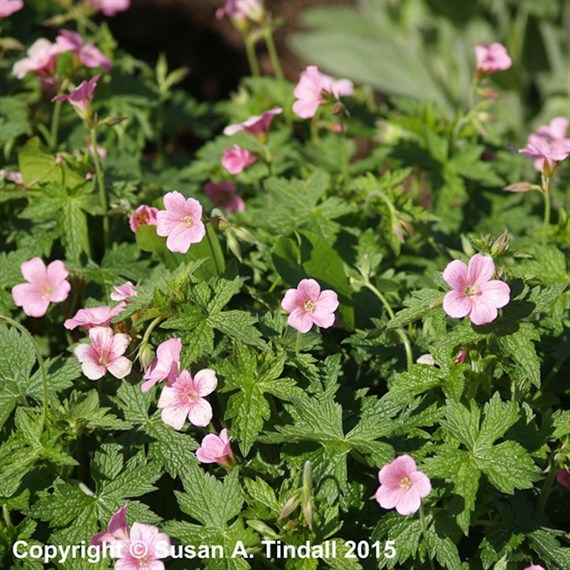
{"x": 548, "y": 145}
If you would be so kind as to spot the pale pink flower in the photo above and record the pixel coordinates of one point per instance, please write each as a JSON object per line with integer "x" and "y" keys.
{"x": 93, "y": 317}
{"x": 181, "y": 222}
{"x": 8, "y": 7}
{"x": 15, "y": 177}
{"x": 81, "y": 96}
{"x": 535, "y": 567}
{"x": 109, "y": 7}
{"x": 308, "y": 305}
{"x": 166, "y": 365}
{"x": 258, "y": 125}
{"x": 117, "y": 529}
{"x": 88, "y": 54}
{"x": 144, "y": 549}
{"x": 104, "y": 354}
{"x": 44, "y": 285}
{"x": 242, "y": 10}
{"x": 545, "y": 152}
{"x": 223, "y": 194}
{"x": 315, "y": 88}
{"x": 185, "y": 399}
{"x": 123, "y": 292}
{"x": 216, "y": 449}
{"x": 563, "y": 477}
{"x": 41, "y": 58}
{"x": 491, "y": 58}
{"x": 237, "y": 159}
{"x": 427, "y": 359}
{"x": 143, "y": 216}
{"x": 402, "y": 486}
{"x": 474, "y": 293}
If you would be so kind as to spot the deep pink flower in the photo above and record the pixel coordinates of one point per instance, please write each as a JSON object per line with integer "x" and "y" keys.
{"x": 185, "y": 399}
{"x": 81, "y": 96}
{"x": 402, "y": 486}
{"x": 41, "y": 59}
{"x": 546, "y": 153}
{"x": 93, "y": 317}
{"x": 474, "y": 293}
{"x": 314, "y": 88}
{"x": 109, "y": 7}
{"x": 258, "y": 126}
{"x": 242, "y": 10}
{"x": 491, "y": 58}
{"x": 104, "y": 354}
{"x": 88, "y": 54}
{"x": 166, "y": 365}
{"x": 8, "y": 7}
{"x": 117, "y": 529}
{"x": 144, "y": 549}
{"x": 237, "y": 159}
{"x": 223, "y": 194}
{"x": 123, "y": 292}
{"x": 181, "y": 222}
{"x": 461, "y": 356}
{"x": 44, "y": 285}
{"x": 216, "y": 449}
{"x": 143, "y": 216}
{"x": 308, "y": 305}
{"x": 563, "y": 477}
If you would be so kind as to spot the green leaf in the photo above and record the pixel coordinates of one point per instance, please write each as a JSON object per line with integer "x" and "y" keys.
{"x": 520, "y": 353}
{"x": 416, "y": 307}
{"x": 498, "y": 418}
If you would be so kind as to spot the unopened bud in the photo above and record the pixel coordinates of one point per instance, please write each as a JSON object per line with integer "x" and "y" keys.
{"x": 521, "y": 187}
{"x": 461, "y": 356}
{"x": 145, "y": 355}
{"x": 500, "y": 245}
{"x": 291, "y": 504}
{"x": 263, "y": 529}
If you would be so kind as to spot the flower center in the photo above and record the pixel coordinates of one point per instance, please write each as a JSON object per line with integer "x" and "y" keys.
{"x": 47, "y": 290}
{"x": 191, "y": 396}
{"x": 142, "y": 218}
{"x": 405, "y": 483}
{"x": 188, "y": 221}
{"x": 309, "y": 306}
{"x": 104, "y": 356}
{"x": 472, "y": 291}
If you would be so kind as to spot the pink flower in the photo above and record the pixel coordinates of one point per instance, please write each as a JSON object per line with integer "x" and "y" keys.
{"x": 109, "y": 8}
{"x": 143, "y": 216}
{"x": 15, "y": 177}
{"x": 308, "y": 305}
{"x": 314, "y": 88}
{"x": 461, "y": 356}
{"x": 427, "y": 359}
{"x": 545, "y": 149}
{"x": 185, "y": 398}
{"x": 41, "y": 59}
{"x": 104, "y": 354}
{"x": 88, "y": 54}
{"x": 181, "y": 222}
{"x": 144, "y": 549}
{"x": 258, "y": 126}
{"x": 535, "y": 567}
{"x": 474, "y": 293}
{"x": 117, "y": 529}
{"x": 402, "y": 486}
{"x": 44, "y": 285}
{"x": 216, "y": 449}
{"x": 563, "y": 477}
{"x": 8, "y": 7}
{"x": 123, "y": 292}
{"x": 81, "y": 96}
{"x": 93, "y": 317}
{"x": 491, "y": 58}
{"x": 242, "y": 10}
{"x": 223, "y": 194}
{"x": 237, "y": 159}
{"x": 166, "y": 364}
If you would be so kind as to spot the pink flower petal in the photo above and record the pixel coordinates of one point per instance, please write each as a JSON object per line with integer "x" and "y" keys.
{"x": 483, "y": 311}
{"x": 497, "y": 292}
{"x": 455, "y": 274}
{"x": 34, "y": 270}
{"x": 409, "y": 502}
{"x": 200, "y": 413}
{"x": 481, "y": 268}
{"x": 174, "y": 416}
{"x": 309, "y": 289}
{"x": 421, "y": 483}
{"x": 456, "y": 304}
{"x": 300, "y": 320}
{"x": 120, "y": 367}
{"x": 205, "y": 381}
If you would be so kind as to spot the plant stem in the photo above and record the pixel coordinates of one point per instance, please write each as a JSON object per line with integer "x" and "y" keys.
{"x": 54, "y": 130}
{"x": 273, "y": 55}
{"x": 39, "y": 358}
{"x": 212, "y": 252}
{"x": 546, "y": 488}
{"x": 252, "y": 56}
{"x": 345, "y": 157}
{"x": 547, "y": 205}
{"x": 298, "y": 343}
{"x": 101, "y": 186}
{"x": 401, "y": 332}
